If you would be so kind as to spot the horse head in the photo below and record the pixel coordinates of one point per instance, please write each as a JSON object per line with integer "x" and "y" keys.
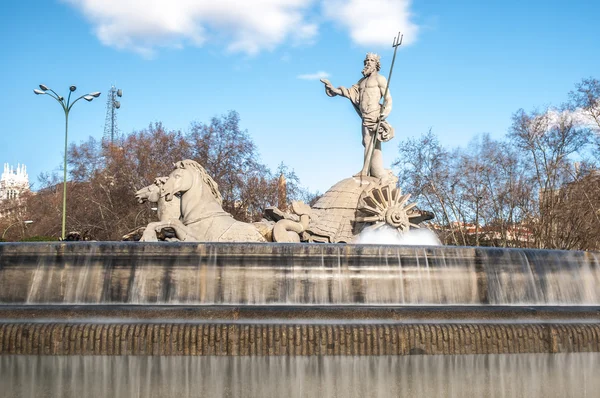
{"x": 151, "y": 193}
{"x": 179, "y": 181}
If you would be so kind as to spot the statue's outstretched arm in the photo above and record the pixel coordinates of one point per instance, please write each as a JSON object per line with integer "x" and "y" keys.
{"x": 329, "y": 89}
{"x": 350, "y": 93}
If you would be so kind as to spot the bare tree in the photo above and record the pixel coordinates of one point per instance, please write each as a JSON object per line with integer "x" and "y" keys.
{"x": 231, "y": 158}
{"x": 547, "y": 139}
{"x": 497, "y": 189}
{"x": 101, "y": 201}
{"x": 586, "y": 97}
{"x": 426, "y": 171}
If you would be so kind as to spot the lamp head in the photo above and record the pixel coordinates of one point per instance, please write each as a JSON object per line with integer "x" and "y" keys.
{"x": 73, "y": 88}
{"x": 95, "y": 94}
{"x": 38, "y": 92}
{"x": 43, "y": 87}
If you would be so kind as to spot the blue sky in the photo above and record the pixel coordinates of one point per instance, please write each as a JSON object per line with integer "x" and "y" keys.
{"x": 465, "y": 68}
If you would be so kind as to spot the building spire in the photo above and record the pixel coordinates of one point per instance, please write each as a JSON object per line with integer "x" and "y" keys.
{"x": 13, "y": 181}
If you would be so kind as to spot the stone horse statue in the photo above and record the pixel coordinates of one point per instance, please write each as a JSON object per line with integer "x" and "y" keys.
{"x": 152, "y": 193}
{"x": 201, "y": 217}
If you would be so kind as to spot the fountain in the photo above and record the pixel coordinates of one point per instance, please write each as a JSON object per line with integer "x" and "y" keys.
{"x": 165, "y": 319}
{"x": 219, "y": 314}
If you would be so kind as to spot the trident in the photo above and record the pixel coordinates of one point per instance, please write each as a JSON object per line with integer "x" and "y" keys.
{"x": 397, "y": 43}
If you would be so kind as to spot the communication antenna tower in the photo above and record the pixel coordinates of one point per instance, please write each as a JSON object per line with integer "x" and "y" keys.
{"x": 110, "y": 125}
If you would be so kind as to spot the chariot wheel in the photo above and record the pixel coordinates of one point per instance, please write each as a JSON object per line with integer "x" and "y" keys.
{"x": 387, "y": 206}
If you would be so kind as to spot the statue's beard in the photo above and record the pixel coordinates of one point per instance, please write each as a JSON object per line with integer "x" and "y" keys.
{"x": 367, "y": 70}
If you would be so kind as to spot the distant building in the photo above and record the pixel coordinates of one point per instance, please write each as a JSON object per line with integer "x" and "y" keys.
{"x": 515, "y": 235}
{"x": 13, "y": 182}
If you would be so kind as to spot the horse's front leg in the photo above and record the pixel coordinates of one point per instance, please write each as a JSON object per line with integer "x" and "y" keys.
{"x": 150, "y": 233}
{"x": 182, "y": 232}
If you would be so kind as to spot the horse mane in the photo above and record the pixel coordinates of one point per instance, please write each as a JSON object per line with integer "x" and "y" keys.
{"x": 214, "y": 187}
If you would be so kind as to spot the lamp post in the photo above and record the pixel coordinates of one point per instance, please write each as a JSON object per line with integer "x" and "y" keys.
{"x": 15, "y": 223}
{"x": 66, "y": 105}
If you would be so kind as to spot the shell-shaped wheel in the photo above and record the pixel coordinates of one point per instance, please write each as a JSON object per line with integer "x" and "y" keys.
{"x": 387, "y": 206}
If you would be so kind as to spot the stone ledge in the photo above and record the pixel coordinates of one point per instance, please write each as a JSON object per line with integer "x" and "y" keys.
{"x": 222, "y": 339}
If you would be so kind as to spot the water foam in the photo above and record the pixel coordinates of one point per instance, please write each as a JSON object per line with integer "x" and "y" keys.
{"x": 389, "y": 236}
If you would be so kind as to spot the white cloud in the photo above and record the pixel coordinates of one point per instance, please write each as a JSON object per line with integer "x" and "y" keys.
{"x": 373, "y": 22}
{"x": 314, "y": 76}
{"x": 246, "y": 26}
{"x": 578, "y": 117}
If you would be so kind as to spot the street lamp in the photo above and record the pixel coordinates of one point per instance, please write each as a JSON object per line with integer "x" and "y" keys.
{"x": 18, "y": 222}
{"x": 66, "y": 105}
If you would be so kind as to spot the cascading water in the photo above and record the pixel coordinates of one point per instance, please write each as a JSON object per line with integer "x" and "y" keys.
{"x": 252, "y": 274}
{"x": 168, "y": 319}
{"x": 463, "y": 376}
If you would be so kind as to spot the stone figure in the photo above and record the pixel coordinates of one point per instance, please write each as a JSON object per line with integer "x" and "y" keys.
{"x": 292, "y": 229}
{"x": 201, "y": 217}
{"x": 189, "y": 209}
{"x": 189, "y": 201}
{"x": 165, "y": 210}
{"x": 366, "y": 96}
{"x": 152, "y": 193}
